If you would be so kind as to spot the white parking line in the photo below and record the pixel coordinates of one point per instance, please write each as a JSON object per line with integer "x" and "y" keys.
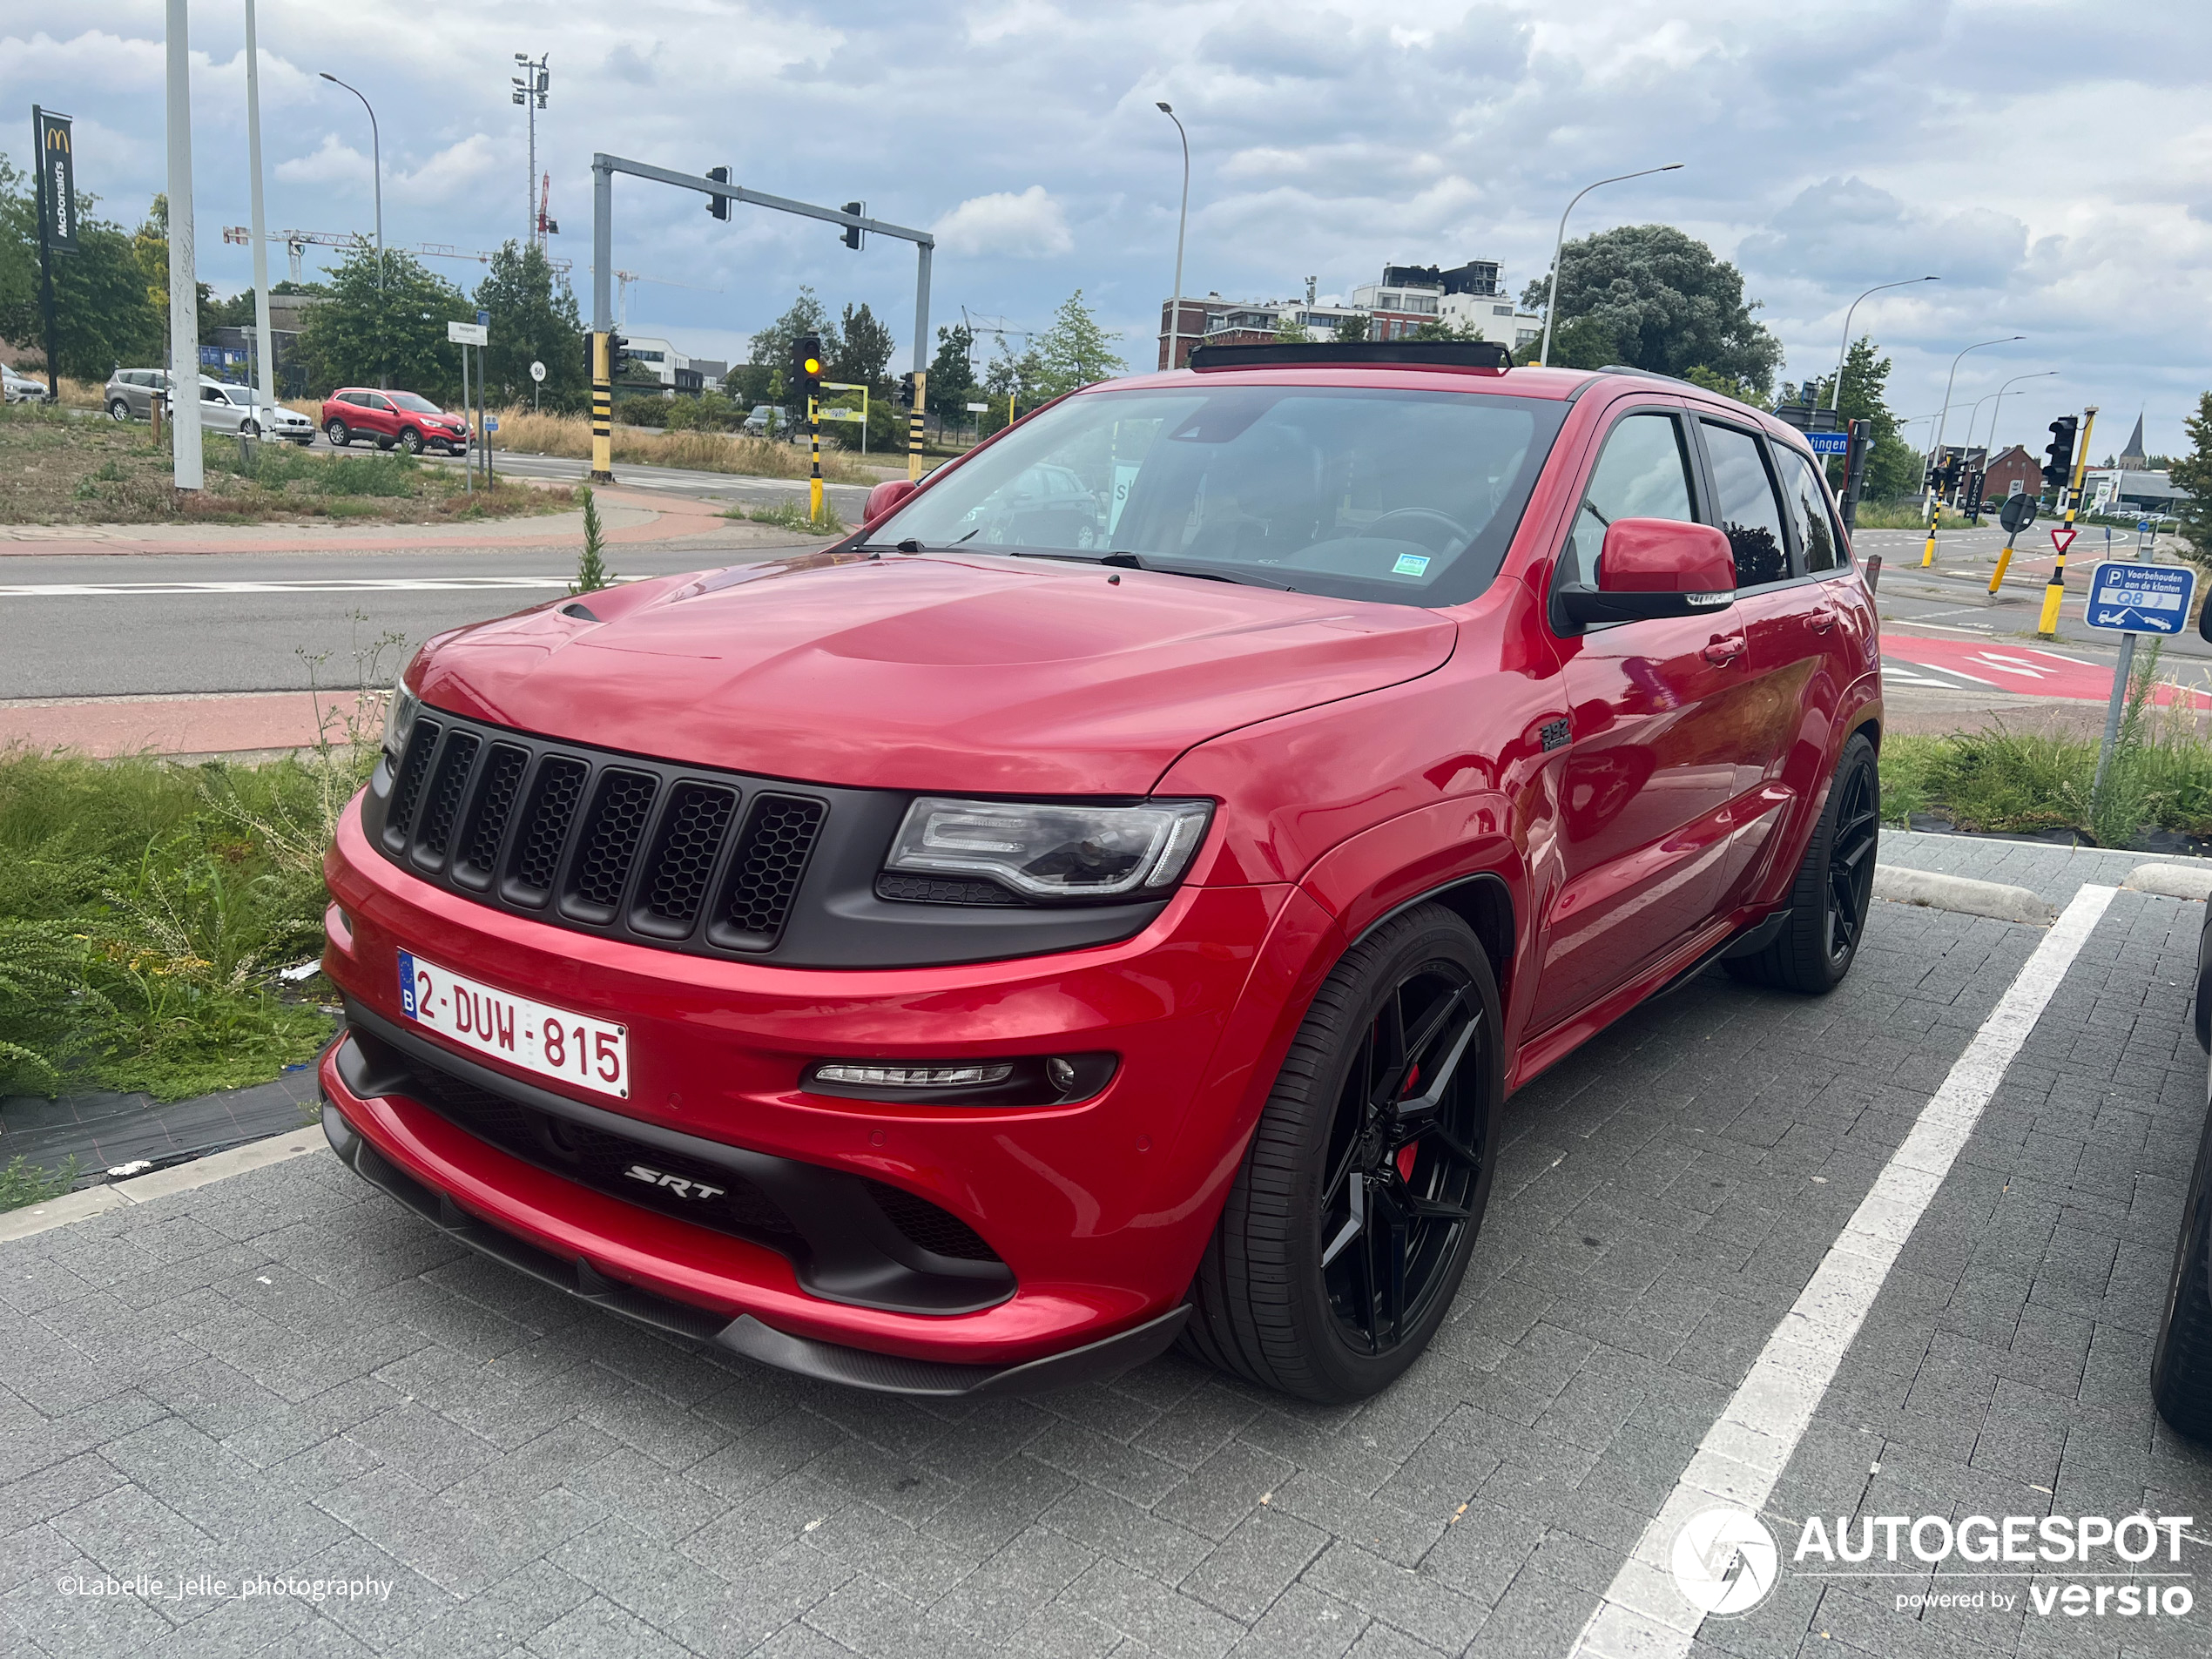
{"x": 1643, "y": 1616}
{"x": 321, "y": 584}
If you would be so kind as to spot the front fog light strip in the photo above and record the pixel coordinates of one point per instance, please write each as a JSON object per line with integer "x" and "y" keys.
{"x": 914, "y": 1077}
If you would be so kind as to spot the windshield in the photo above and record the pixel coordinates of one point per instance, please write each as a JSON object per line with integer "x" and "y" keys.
{"x": 414, "y": 405}
{"x": 1351, "y": 491}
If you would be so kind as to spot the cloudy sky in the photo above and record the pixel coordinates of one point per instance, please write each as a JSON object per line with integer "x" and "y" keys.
{"x": 2052, "y": 161}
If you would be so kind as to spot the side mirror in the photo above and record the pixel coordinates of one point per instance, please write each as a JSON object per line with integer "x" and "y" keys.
{"x": 1654, "y": 566}
{"x": 885, "y": 497}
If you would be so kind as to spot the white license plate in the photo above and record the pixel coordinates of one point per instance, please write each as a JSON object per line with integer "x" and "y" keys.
{"x": 554, "y": 1042}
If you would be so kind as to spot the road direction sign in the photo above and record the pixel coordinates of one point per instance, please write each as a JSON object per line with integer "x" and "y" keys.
{"x": 1829, "y": 443}
{"x": 467, "y": 333}
{"x": 2131, "y": 598}
{"x": 979, "y": 409}
{"x": 2062, "y": 538}
{"x": 537, "y": 369}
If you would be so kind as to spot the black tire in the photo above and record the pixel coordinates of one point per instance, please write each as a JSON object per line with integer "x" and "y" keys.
{"x": 1348, "y": 1231}
{"x": 384, "y": 443}
{"x": 1835, "y": 885}
{"x": 411, "y": 440}
{"x": 118, "y": 409}
{"x": 2180, "y": 1374}
{"x": 338, "y": 435}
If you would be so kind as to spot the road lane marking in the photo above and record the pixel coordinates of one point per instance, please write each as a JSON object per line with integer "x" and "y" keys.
{"x": 1643, "y": 1616}
{"x": 318, "y": 584}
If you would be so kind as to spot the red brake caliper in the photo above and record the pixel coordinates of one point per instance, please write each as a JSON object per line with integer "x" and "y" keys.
{"x": 1406, "y": 1153}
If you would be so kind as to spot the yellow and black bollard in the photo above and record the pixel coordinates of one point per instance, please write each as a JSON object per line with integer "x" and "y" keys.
{"x": 1935, "y": 515}
{"x": 2054, "y": 593}
{"x": 913, "y": 425}
{"x": 814, "y": 443}
{"x": 602, "y": 414}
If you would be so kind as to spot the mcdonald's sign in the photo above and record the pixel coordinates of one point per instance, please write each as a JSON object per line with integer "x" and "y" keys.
{"x": 57, "y": 179}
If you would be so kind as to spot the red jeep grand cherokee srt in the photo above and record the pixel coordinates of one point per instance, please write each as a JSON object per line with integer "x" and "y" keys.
{"x": 1056, "y": 921}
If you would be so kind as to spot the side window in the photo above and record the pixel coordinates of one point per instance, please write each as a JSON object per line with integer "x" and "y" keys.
{"x": 1749, "y": 513}
{"x": 212, "y": 394}
{"x": 382, "y": 405}
{"x": 1642, "y": 473}
{"x": 1808, "y": 503}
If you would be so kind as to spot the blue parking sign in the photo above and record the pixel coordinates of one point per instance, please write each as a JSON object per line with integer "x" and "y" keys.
{"x": 2131, "y": 598}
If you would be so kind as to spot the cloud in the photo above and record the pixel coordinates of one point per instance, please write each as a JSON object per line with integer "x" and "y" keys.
{"x": 1029, "y": 225}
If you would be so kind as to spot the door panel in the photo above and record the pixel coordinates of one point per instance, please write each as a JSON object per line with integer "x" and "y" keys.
{"x": 1651, "y": 767}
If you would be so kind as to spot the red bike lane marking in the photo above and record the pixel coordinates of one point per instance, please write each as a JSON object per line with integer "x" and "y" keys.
{"x": 2028, "y": 669}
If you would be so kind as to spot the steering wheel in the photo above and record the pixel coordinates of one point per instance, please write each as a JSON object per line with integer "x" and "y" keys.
{"x": 1450, "y": 523}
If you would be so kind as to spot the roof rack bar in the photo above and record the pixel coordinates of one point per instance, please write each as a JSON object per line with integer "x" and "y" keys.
{"x": 1419, "y": 354}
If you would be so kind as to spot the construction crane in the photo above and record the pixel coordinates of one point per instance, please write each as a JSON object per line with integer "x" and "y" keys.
{"x": 623, "y": 279}
{"x": 296, "y": 243}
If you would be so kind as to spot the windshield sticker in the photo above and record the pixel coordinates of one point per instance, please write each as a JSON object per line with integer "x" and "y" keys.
{"x": 1409, "y": 564}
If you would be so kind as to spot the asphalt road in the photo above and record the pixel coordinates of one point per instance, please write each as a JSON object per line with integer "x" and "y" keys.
{"x": 153, "y": 625}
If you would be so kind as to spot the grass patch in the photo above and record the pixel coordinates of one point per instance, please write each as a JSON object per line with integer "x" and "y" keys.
{"x": 792, "y": 514}
{"x": 2005, "y": 782}
{"x": 24, "y": 1184}
{"x": 146, "y": 908}
{"x": 546, "y": 433}
{"x": 60, "y": 469}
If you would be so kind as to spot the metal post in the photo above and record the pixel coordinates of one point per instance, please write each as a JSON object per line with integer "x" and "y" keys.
{"x": 922, "y": 251}
{"x": 1551, "y": 304}
{"x": 376, "y": 178}
{"x": 265, "y": 342}
{"x": 1935, "y": 451}
{"x": 2054, "y": 590}
{"x": 814, "y": 445}
{"x": 184, "y": 293}
{"x": 1844, "y": 351}
{"x": 603, "y": 261}
{"x": 469, "y": 461}
{"x": 47, "y": 209}
{"x": 2121, "y": 676}
{"x": 1182, "y": 222}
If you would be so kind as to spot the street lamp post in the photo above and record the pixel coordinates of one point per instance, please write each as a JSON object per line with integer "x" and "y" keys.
{"x": 1551, "y": 304}
{"x": 1182, "y": 220}
{"x": 1935, "y": 451}
{"x": 1999, "y": 396}
{"x": 1844, "y": 351}
{"x": 264, "y": 353}
{"x": 530, "y": 90}
{"x": 376, "y": 176}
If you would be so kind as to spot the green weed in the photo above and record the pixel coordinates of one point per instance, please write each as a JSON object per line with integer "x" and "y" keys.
{"x": 24, "y": 1184}
{"x": 791, "y": 513}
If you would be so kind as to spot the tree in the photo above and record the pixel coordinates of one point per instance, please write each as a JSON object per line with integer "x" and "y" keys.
{"x": 150, "y": 247}
{"x": 1725, "y": 386}
{"x": 533, "y": 317}
{"x": 1439, "y": 329}
{"x": 1581, "y": 343}
{"x": 2193, "y": 472}
{"x": 102, "y": 317}
{"x": 862, "y": 353}
{"x": 397, "y": 332}
{"x": 1289, "y": 331}
{"x": 1666, "y": 302}
{"x": 1352, "y": 329}
{"x": 1893, "y": 468}
{"x": 952, "y": 383}
{"x": 1074, "y": 352}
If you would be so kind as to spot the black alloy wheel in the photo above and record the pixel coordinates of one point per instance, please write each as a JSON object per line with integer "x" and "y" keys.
{"x": 1405, "y": 1159}
{"x": 1834, "y": 888}
{"x": 1348, "y": 1229}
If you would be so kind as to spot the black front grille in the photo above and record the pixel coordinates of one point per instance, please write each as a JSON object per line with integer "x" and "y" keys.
{"x": 603, "y": 842}
{"x": 605, "y": 1162}
{"x": 933, "y": 1229}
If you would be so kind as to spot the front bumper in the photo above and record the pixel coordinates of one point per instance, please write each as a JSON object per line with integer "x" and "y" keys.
{"x": 1098, "y": 1210}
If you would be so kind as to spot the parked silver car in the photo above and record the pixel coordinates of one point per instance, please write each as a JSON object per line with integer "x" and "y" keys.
{"x": 224, "y": 407}
{"x": 19, "y": 389}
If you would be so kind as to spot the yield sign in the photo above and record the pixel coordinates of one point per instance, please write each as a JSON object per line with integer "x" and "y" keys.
{"x": 2062, "y": 539}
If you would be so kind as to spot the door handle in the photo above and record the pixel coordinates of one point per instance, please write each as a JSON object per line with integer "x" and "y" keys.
{"x": 1822, "y": 619}
{"x": 1723, "y": 652}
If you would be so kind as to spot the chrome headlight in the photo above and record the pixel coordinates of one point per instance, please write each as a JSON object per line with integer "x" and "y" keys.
{"x": 399, "y": 721}
{"x": 1053, "y": 849}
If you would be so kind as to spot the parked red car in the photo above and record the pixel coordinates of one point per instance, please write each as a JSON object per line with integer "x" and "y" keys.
{"x": 412, "y": 422}
{"x": 959, "y": 962}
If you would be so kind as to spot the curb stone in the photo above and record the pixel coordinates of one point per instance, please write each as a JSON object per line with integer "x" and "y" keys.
{"x": 1962, "y": 894}
{"x": 182, "y": 1178}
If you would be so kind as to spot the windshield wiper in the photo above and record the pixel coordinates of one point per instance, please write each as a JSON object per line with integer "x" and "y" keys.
{"x": 1130, "y": 562}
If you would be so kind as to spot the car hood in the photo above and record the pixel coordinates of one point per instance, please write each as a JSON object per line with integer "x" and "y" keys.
{"x": 932, "y": 672}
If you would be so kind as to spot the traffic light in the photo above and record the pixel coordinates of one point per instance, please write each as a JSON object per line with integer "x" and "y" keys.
{"x": 617, "y": 357}
{"x": 853, "y": 231}
{"x": 906, "y": 391}
{"x": 806, "y": 372}
{"x": 719, "y": 205}
{"x": 2058, "y": 471}
{"x": 1952, "y": 465}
